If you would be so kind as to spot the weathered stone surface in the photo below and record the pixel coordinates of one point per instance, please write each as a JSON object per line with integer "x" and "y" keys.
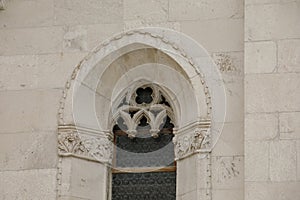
{"x": 232, "y": 194}
{"x": 289, "y": 125}
{"x": 248, "y": 2}
{"x": 231, "y": 141}
{"x": 272, "y": 92}
{"x": 260, "y": 57}
{"x": 70, "y": 12}
{"x": 272, "y": 191}
{"x": 298, "y": 160}
{"x": 256, "y": 161}
{"x": 289, "y": 56}
{"x": 227, "y": 172}
{"x": 91, "y": 183}
{"x": 154, "y": 11}
{"x": 185, "y": 169}
{"x": 132, "y": 24}
{"x": 230, "y": 64}
{"x": 29, "y": 110}
{"x": 283, "y": 161}
{"x": 97, "y": 33}
{"x": 31, "y": 41}
{"x": 21, "y": 151}
{"x": 216, "y": 35}
{"x": 272, "y": 21}
{"x": 205, "y": 9}
{"x": 234, "y": 100}
{"x": 37, "y": 71}
{"x": 75, "y": 39}
{"x": 24, "y": 14}
{"x": 262, "y": 126}
{"x": 28, "y": 184}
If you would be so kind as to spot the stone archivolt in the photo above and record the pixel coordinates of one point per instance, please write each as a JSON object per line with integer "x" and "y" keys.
{"x": 84, "y": 143}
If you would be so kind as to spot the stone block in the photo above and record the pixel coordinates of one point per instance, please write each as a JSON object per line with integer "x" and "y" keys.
{"x": 272, "y": 21}
{"x": 231, "y": 140}
{"x": 227, "y": 172}
{"x": 37, "y": 71}
{"x": 97, "y": 33}
{"x": 91, "y": 183}
{"x": 289, "y": 125}
{"x": 28, "y": 184}
{"x": 29, "y": 110}
{"x": 27, "y": 14}
{"x": 220, "y": 35}
{"x": 75, "y": 39}
{"x": 31, "y": 41}
{"x": 71, "y": 12}
{"x": 186, "y": 175}
{"x": 260, "y": 57}
{"x": 234, "y": 100}
{"x": 272, "y": 191}
{"x": 230, "y": 64}
{"x": 261, "y": 126}
{"x": 204, "y": 9}
{"x": 289, "y": 56}
{"x": 21, "y": 151}
{"x": 272, "y": 92}
{"x": 256, "y": 161}
{"x": 298, "y": 160}
{"x": 230, "y": 194}
{"x": 148, "y": 11}
{"x": 283, "y": 160}
{"x": 249, "y": 2}
{"x": 139, "y": 23}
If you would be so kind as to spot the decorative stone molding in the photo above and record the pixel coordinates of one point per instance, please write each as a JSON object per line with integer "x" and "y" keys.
{"x": 128, "y": 34}
{"x": 187, "y": 143}
{"x": 85, "y": 143}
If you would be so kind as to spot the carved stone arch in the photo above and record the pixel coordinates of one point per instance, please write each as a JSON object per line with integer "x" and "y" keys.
{"x": 197, "y": 91}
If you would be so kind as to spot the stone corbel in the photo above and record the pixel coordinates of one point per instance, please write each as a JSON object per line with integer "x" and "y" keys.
{"x": 194, "y": 138}
{"x": 2, "y": 3}
{"x": 85, "y": 143}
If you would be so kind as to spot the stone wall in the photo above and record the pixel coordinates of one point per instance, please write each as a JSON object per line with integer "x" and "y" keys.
{"x": 41, "y": 41}
{"x": 272, "y": 101}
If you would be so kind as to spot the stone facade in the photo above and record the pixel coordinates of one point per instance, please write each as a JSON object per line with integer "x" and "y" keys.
{"x": 255, "y": 45}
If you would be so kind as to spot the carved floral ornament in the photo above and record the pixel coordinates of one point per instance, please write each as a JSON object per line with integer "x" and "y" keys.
{"x": 84, "y": 143}
{"x": 192, "y": 142}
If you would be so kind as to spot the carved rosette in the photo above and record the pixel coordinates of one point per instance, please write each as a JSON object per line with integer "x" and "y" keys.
{"x": 190, "y": 142}
{"x": 85, "y": 144}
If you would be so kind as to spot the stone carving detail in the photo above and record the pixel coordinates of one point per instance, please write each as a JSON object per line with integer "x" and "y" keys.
{"x": 188, "y": 144}
{"x": 227, "y": 168}
{"x": 70, "y": 143}
{"x": 127, "y": 34}
{"x": 83, "y": 145}
{"x": 152, "y": 106}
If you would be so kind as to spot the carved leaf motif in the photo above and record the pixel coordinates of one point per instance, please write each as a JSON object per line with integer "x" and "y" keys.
{"x": 69, "y": 142}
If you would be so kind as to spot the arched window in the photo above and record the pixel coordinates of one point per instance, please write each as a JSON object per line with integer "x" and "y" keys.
{"x": 143, "y": 161}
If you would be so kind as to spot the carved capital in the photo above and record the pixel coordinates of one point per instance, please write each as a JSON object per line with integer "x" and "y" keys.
{"x": 85, "y": 144}
{"x": 191, "y": 140}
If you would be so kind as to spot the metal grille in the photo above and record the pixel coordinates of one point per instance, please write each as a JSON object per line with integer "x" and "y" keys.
{"x": 144, "y": 186}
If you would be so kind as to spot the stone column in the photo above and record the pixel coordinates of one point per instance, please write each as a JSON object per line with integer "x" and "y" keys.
{"x": 84, "y": 163}
{"x": 193, "y": 162}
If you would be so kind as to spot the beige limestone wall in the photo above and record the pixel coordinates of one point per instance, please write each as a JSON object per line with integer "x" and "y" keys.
{"x": 41, "y": 41}
{"x": 272, "y": 101}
